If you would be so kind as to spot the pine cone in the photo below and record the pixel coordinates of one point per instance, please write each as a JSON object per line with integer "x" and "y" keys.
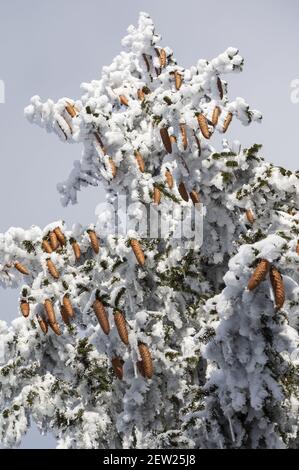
{"x": 138, "y": 252}
{"x": 71, "y": 110}
{"x": 163, "y": 58}
{"x": 25, "y": 309}
{"x": 102, "y": 316}
{"x": 54, "y": 241}
{"x": 94, "y": 241}
{"x": 76, "y": 249}
{"x": 220, "y": 87}
{"x": 141, "y": 368}
{"x": 121, "y": 326}
{"x": 123, "y": 100}
{"x": 203, "y": 125}
{"x": 172, "y": 138}
{"x": 46, "y": 246}
{"x": 55, "y": 327}
{"x": 43, "y": 324}
{"x": 165, "y": 139}
{"x": 278, "y": 287}
{"x": 140, "y": 94}
{"x": 60, "y": 235}
{"x": 117, "y": 364}
{"x": 140, "y": 161}
{"x": 184, "y": 135}
{"x": 68, "y": 306}
{"x": 112, "y": 165}
{"x": 259, "y": 274}
{"x": 50, "y": 311}
{"x": 183, "y": 192}
{"x": 65, "y": 317}
{"x": 169, "y": 179}
{"x": 195, "y": 198}
{"x": 178, "y": 80}
{"x": 227, "y": 121}
{"x": 157, "y": 196}
{"x": 250, "y": 216}
{"x": 21, "y": 268}
{"x": 215, "y": 115}
{"x": 147, "y": 362}
{"x": 297, "y": 248}
{"x": 52, "y": 269}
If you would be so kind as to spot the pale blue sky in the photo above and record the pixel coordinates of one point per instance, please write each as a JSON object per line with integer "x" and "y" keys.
{"x": 49, "y": 47}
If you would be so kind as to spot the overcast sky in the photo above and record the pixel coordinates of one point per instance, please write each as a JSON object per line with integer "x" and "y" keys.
{"x": 49, "y": 47}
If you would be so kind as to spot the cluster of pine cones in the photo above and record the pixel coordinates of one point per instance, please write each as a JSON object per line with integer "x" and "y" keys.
{"x": 260, "y": 274}
{"x": 56, "y": 239}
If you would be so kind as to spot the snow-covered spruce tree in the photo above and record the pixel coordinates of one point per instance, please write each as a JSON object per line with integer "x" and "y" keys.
{"x": 131, "y": 341}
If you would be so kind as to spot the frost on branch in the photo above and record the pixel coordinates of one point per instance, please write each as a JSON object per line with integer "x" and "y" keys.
{"x": 130, "y": 341}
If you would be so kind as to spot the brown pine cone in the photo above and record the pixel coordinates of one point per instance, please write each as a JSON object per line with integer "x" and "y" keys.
{"x": 220, "y": 87}
{"x": 21, "y": 268}
{"x": 178, "y": 80}
{"x": 121, "y": 326}
{"x": 195, "y": 198}
{"x": 71, "y": 109}
{"x": 102, "y": 316}
{"x": 166, "y": 139}
{"x": 112, "y": 165}
{"x": 65, "y": 317}
{"x": 68, "y": 306}
{"x": 46, "y": 246}
{"x": 76, "y": 249}
{"x": 157, "y": 196}
{"x": 53, "y": 241}
{"x": 24, "y": 307}
{"x": 123, "y": 100}
{"x": 140, "y": 94}
{"x": 56, "y": 328}
{"x": 117, "y": 364}
{"x": 169, "y": 178}
{"x": 183, "y": 192}
{"x": 163, "y": 58}
{"x": 297, "y": 248}
{"x": 50, "y": 311}
{"x": 138, "y": 252}
{"x": 59, "y": 234}
{"x": 94, "y": 241}
{"x": 227, "y": 121}
{"x": 43, "y": 324}
{"x": 147, "y": 362}
{"x": 278, "y": 287}
{"x": 259, "y": 274}
{"x": 52, "y": 269}
{"x": 215, "y": 115}
{"x": 140, "y": 161}
{"x": 250, "y": 216}
{"x": 203, "y": 125}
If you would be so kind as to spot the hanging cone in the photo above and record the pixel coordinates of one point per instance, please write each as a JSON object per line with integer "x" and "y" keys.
{"x": 165, "y": 139}
{"x": 121, "y": 326}
{"x": 227, "y": 121}
{"x": 220, "y": 87}
{"x": 52, "y": 269}
{"x": 203, "y": 125}
{"x": 102, "y": 316}
{"x": 140, "y": 161}
{"x": 140, "y": 368}
{"x": 215, "y": 115}
{"x": 55, "y": 327}
{"x": 278, "y": 287}
{"x": 71, "y": 110}
{"x": 65, "y": 317}
{"x": 24, "y": 307}
{"x": 259, "y": 274}
{"x": 195, "y": 198}
{"x": 46, "y": 246}
{"x": 178, "y": 80}
{"x": 163, "y": 58}
{"x": 68, "y": 306}
{"x": 53, "y": 241}
{"x": 138, "y": 252}
{"x": 112, "y": 165}
{"x": 157, "y": 196}
{"x": 183, "y": 192}
{"x": 184, "y": 135}
{"x": 147, "y": 362}
{"x": 21, "y": 268}
{"x": 297, "y": 248}
{"x": 123, "y": 100}
{"x": 250, "y": 216}
{"x": 76, "y": 249}
{"x": 140, "y": 94}
{"x": 59, "y": 234}
{"x": 94, "y": 241}
{"x": 169, "y": 178}
{"x": 43, "y": 324}
{"x": 117, "y": 364}
{"x": 48, "y": 305}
